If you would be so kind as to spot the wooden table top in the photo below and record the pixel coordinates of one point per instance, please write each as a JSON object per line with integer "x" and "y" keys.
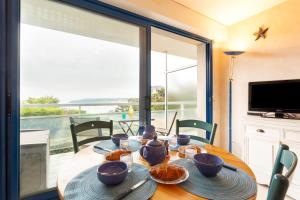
{"x": 87, "y": 158}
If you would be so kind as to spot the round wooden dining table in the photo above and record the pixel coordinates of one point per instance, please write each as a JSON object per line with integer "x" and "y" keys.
{"x": 87, "y": 158}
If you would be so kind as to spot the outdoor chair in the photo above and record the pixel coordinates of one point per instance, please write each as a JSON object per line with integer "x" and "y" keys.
{"x": 80, "y": 120}
{"x": 76, "y": 129}
{"x": 166, "y": 132}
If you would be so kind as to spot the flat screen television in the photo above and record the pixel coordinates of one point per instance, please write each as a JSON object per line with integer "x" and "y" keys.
{"x": 275, "y": 96}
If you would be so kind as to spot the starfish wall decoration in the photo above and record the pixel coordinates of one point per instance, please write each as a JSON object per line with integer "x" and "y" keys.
{"x": 261, "y": 33}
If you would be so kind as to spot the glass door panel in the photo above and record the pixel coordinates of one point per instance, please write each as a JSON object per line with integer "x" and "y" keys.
{"x": 177, "y": 79}
{"x": 76, "y": 66}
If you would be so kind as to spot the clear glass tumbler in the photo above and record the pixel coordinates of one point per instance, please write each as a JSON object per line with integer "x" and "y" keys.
{"x": 173, "y": 142}
{"x": 127, "y": 158}
{"x": 124, "y": 143}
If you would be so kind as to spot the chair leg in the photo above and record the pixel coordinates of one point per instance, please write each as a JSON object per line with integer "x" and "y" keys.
{"x": 278, "y": 187}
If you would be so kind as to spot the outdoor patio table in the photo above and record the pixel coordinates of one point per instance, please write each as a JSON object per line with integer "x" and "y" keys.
{"x": 128, "y": 123}
{"x": 87, "y": 158}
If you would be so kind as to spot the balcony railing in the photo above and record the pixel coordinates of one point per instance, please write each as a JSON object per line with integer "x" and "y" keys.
{"x": 59, "y": 125}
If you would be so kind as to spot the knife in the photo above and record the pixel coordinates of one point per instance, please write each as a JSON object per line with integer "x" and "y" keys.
{"x": 103, "y": 149}
{"x": 134, "y": 187}
{"x": 229, "y": 167}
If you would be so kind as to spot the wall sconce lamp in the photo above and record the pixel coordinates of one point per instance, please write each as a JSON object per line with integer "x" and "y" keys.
{"x": 233, "y": 55}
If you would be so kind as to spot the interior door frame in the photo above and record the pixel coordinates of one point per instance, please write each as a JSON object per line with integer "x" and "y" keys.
{"x": 10, "y": 82}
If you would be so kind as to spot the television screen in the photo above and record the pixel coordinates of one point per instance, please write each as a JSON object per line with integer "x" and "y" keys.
{"x": 272, "y": 96}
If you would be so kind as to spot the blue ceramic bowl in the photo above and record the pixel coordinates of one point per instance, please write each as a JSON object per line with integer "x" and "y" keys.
{"x": 112, "y": 173}
{"x": 209, "y": 165}
{"x": 183, "y": 139}
{"x": 116, "y": 138}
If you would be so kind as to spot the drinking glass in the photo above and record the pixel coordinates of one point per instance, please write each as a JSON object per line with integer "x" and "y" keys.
{"x": 189, "y": 153}
{"x": 173, "y": 142}
{"x": 127, "y": 158}
{"x": 139, "y": 138}
{"x": 124, "y": 143}
{"x": 123, "y": 114}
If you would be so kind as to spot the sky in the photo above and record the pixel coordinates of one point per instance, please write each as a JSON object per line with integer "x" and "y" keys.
{"x": 71, "y": 67}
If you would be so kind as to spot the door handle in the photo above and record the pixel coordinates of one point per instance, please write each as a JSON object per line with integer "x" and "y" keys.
{"x": 260, "y": 130}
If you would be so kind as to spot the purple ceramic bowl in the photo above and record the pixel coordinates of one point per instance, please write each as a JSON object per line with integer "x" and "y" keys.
{"x": 112, "y": 173}
{"x": 209, "y": 165}
{"x": 116, "y": 138}
{"x": 183, "y": 139}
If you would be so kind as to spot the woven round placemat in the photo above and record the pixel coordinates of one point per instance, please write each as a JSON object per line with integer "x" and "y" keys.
{"x": 86, "y": 186}
{"x": 134, "y": 145}
{"x": 227, "y": 185}
{"x": 175, "y": 148}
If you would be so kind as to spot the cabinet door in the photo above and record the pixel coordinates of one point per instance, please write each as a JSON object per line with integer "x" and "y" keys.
{"x": 261, "y": 158}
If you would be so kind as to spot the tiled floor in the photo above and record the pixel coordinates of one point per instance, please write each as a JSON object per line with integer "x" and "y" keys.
{"x": 56, "y": 162}
{"x": 262, "y": 192}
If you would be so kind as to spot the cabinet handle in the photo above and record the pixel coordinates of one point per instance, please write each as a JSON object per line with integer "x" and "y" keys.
{"x": 260, "y": 130}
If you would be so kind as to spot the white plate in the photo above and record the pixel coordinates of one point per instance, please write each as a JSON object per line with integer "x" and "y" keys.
{"x": 201, "y": 149}
{"x": 179, "y": 180}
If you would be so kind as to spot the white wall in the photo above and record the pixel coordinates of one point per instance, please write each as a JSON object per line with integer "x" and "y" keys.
{"x": 275, "y": 58}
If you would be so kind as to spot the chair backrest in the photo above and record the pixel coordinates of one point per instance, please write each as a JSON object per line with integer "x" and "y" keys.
{"x": 279, "y": 182}
{"x": 211, "y": 128}
{"x": 80, "y": 120}
{"x": 75, "y": 129}
{"x": 171, "y": 126}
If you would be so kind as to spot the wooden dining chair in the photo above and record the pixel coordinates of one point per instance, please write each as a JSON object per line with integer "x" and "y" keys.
{"x": 76, "y": 129}
{"x": 279, "y": 183}
{"x": 211, "y": 128}
{"x": 166, "y": 132}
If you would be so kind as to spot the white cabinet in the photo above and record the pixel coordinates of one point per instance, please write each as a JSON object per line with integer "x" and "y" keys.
{"x": 261, "y": 146}
{"x": 262, "y": 138}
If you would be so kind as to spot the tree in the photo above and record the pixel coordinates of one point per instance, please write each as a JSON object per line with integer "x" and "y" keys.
{"x": 44, "y": 111}
{"x": 158, "y": 96}
{"x": 42, "y": 100}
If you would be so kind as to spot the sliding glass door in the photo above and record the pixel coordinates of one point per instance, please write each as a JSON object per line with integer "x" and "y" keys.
{"x": 85, "y": 60}
{"x": 178, "y": 78}
{"x": 76, "y": 66}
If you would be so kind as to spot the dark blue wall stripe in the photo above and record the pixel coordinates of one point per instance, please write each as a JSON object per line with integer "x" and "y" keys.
{"x": 230, "y": 117}
{"x": 148, "y": 75}
{"x": 209, "y": 85}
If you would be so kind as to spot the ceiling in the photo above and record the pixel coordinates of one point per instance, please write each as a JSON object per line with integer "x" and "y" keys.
{"x": 229, "y": 12}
